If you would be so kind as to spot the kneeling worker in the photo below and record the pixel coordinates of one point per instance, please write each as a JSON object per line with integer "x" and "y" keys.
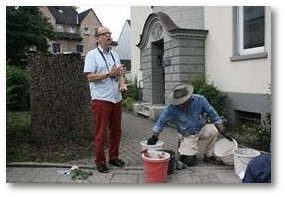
{"x": 187, "y": 110}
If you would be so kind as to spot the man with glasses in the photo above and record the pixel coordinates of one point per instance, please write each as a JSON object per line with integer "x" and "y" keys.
{"x": 102, "y": 68}
{"x": 188, "y": 110}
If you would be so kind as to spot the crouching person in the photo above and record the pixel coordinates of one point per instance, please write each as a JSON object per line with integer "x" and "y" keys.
{"x": 187, "y": 111}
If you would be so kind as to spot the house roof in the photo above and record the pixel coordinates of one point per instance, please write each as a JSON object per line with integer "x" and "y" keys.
{"x": 67, "y": 15}
{"x": 82, "y": 15}
{"x": 64, "y": 14}
{"x": 129, "y": 21}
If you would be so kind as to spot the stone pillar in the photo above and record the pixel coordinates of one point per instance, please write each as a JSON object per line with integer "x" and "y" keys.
{"x": 184, "y": 61}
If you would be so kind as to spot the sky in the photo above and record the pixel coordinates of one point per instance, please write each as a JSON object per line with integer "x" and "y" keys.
{"x": 113, "y": 17}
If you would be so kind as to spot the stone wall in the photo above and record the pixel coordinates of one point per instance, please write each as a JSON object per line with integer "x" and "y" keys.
{"x": 60, "y": 99}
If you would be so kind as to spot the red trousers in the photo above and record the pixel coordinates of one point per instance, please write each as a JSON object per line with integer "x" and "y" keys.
{"x": 107, "y": 116}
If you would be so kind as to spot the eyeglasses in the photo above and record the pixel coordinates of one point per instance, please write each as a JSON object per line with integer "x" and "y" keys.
{"x": 105, "y": 34}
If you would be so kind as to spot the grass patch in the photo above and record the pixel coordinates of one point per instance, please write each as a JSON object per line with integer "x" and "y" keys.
{"x": 20, "y": 146}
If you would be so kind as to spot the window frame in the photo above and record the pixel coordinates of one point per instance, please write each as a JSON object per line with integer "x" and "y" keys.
{"x": 241, "y": 49}
{"x": 56, "y": 43}
{"x": 86, "y": 30}
{"x": 59, "y": 28}
{"x": 72, "y": 29}
{"x": 80, "y": 45}
{"x": 238, "y": 52}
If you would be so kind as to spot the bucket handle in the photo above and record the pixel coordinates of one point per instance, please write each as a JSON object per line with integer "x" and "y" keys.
{"x": 153, "y": 170}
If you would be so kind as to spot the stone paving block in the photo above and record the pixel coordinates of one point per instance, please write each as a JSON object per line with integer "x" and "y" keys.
{"x": 135, "y": 172}
{"x": 141, "y": 178}
{"x": 210, "y": 178}
{"x": 228, "y": 177}
{"x": 124, "y": 178}
{"x": 98, "y": 177}
{"x": 22, "y": 174}
{"x": 47, "y": 176}
{"x": 9, "y": 172}
{"x": 118, "y": 170}
{"x": 195, "y": 179}
{"x": 66, "y": 178}
{"x": 179, "y": 178}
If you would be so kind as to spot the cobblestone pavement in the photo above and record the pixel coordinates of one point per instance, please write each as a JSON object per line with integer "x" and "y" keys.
{"x": 134, "y": 131}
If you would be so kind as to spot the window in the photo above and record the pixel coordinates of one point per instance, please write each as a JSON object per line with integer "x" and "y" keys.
{"x": 55, "y": 47}
{"x": 59, "y": 28}
{"x": 251, "y": 29}
{"x": 79, "y": 48}
{"x": 72, "y": 29}
{"x": 86, "y": 30}
{"x": 60, "y": 11}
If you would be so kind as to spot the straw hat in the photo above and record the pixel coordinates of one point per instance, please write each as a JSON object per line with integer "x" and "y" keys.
{"x": 180, "y": 94}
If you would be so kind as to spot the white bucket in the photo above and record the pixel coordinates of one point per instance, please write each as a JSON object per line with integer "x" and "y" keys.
{"x": 242, "y": 156}
{"x": 224, "y": 150}
{"x": 158, "y": 146}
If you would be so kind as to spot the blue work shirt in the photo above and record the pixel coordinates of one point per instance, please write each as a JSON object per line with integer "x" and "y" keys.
{"x": 190, "y": 122}
{"x": 258, "y": 170}
{"x": 106, "y": 89}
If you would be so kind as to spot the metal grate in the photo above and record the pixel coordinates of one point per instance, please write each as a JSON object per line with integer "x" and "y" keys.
{"x": 249, "y": 119}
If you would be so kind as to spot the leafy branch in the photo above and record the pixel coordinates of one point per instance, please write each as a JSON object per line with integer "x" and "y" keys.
{"x": 80, "y": 174}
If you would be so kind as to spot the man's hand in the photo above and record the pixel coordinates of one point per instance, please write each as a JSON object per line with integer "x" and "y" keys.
{"x": 124, "y": 87}
{"x": 227, "y": 135}
{"x": 114, "y": 72}
{"x": 152, "y": 140}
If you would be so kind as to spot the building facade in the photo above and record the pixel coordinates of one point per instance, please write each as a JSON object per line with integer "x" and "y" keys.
{"x": 123, "y": 47}
{"x": 75, "y": 31}
{"x": 230, "y": 46}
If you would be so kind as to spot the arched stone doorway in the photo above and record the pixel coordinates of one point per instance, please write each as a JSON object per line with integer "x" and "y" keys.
{"x": 169, "y": 55}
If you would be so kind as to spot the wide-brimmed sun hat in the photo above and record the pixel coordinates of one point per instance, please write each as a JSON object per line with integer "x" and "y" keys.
{"x": 180, "y": 94}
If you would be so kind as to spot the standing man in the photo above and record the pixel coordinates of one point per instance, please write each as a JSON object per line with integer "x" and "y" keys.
{"x": 102, "y": 68}
{"x": 187, "y": 110}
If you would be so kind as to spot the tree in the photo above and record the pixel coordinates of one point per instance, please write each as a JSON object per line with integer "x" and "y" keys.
{"x": 26, "y": 28}
{"x": 75, "y": 8}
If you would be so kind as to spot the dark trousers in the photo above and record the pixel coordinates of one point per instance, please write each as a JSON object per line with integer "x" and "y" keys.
{"x": 107, "y": 115}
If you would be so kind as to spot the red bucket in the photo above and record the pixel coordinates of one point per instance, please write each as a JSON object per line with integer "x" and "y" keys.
{"x": 156, "y": 168}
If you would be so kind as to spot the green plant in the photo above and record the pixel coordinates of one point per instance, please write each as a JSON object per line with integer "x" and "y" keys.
{"x": 130, "y": 96}
{"x": 26, "y": 29}
{"x": 80, "y": 174}
{"x": 17, "y": 88}
{"x": 128, "y": 104}
{"x": 212, "y": 94}
{"x": 19, "y": 122}
{"x": 133, "y": 91}
{"x": 263, "y": 131}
